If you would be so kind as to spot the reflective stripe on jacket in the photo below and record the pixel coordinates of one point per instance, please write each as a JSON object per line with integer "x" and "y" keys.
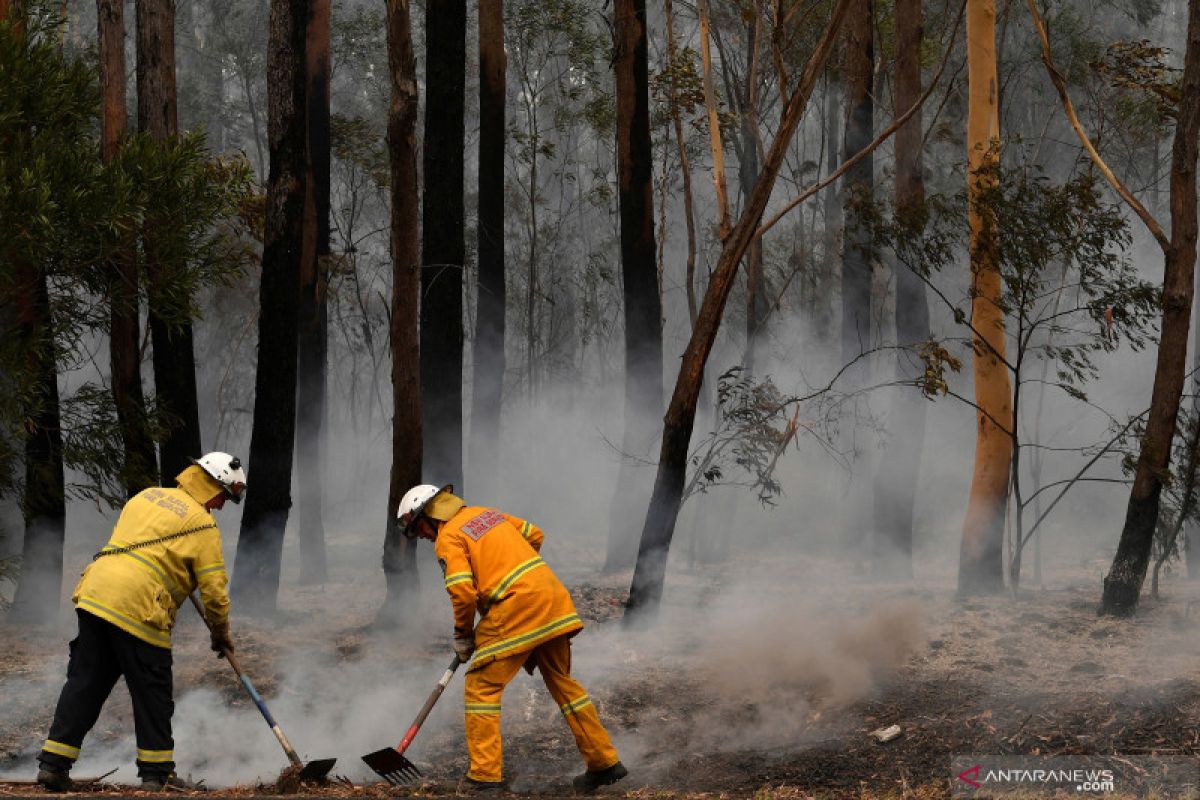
{"x": 491, "y": 564}
{"x": 140, "y": 590}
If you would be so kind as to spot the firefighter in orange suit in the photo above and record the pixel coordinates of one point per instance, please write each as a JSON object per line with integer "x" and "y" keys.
{"x": 491, "y": 565}
{"x": 165, "y": 545}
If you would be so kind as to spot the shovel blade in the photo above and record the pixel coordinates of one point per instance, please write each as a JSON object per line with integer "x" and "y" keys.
{"x": 317, "y": 770}
{"x": 391, "y": 765}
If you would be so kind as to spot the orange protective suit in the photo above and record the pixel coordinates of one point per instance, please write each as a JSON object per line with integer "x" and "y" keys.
{"x": 491, "y": 566}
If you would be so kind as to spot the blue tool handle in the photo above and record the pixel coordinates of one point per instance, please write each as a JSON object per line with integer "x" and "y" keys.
{"x": 254, "y": 695}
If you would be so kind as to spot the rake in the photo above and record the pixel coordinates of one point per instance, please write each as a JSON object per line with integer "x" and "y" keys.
{"x": 390, "y": 763}
{"x": 313, "y": 770}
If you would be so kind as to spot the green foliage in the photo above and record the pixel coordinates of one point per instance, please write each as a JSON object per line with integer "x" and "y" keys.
{"x": 68, "y": 215}
{"x": 752, "y": 430}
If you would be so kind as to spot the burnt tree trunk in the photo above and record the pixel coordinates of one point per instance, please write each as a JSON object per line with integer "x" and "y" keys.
{"x": 639, "y": 273}
{"x": 399, "y": 567}
{"x": 313, "y": 317}
{"x": 859, "y": 182}
{"x": 170, "y": 326}
{"x": 269, "y": 480}
{"x": 489, "y": 315}
{"x": 442, "y": 245}
{"x": 646, "y": 589}
{"x": 43, "y": 501}
{"x": 1123, "y": 584}
{"x": 140, "y": 467}
{"x": 896, "y": 480}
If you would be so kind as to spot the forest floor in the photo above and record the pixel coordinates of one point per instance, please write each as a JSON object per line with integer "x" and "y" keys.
{"x": 764, "y": 692}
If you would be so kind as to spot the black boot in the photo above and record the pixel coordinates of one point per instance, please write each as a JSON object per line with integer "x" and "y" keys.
{"x": 53, "y": 778}
{"x": 156, "y": 783}
{"x": 590, "y": 781}
{"x": 470, "y": 786}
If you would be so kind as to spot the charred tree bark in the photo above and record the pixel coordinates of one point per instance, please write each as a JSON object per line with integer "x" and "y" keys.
{"x": 442, "y": 242}
{"x": 981, "y": 557}
{"x": 1123, "y": 584}
{"x": 896, "y": 481}
{"x": 260, "y": 545}
{"x": 639, "y": 271}
{"x": 313, "y": 322}
{"x": 488, "y": 393}
{"x": 399, "y": 568}
{"x": 43, "y": 501}
{"x": 170, "y": 327}
{"x": 859, "y": 182}
{"x": 140, "y": 467}
{"x": 646, "y": 589}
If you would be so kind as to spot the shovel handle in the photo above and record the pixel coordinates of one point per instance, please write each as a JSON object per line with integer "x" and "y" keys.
{"x": 425, "y": 709}
{"x": 250, "y": 690}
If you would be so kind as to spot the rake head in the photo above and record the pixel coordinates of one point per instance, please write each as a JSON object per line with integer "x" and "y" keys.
{"x": 317, "y": 770}
{"x": 391, "y": 765}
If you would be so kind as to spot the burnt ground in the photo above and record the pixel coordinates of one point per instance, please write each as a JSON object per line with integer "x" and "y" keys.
{"x": 725, "y": 699}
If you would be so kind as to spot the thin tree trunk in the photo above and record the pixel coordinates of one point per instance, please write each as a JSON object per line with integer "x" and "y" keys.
{"x": 714, "y": 127}
{"x": 756, "y": 294}
{"x": 896, "y": 480}
{"x": 443, "y": 250}
{"x": 650, "y": 571}
{"x": 140, "y": 466}
{"x": 488, "y": 392}
{"x": 643, "y": 306}
{"x": 981, "y": 557}
{"x": 43, "y": 501}
{"x": 833, "y": 223}
{"x": 399, "y": 567}
{"x": 859, "y": 185}
{"x": 1124, "y": 581}
{"x": 684, "y": 167}
{"x": 313, "y": 325}
{"x": 272, "y": 441}
{"x": 170, "y": 331}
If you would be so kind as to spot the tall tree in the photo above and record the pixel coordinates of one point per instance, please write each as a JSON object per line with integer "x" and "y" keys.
{"x": 490, "y": 305}
{"x": 1123, "y": 584}
{"x": 981, "y": 557}
{"x": 639, "y": 270}
{"x": 896, "y": 480}
{"x": 398, "y": 553}
{"x": 442, "y": 244}
{"x": 313, "y": 323}
{"x": 43, "y": 502}
{"x": 124, "y": 343}
{"x": 260, "y": 545}
{"x": 646, "y": 589}
{"x": 859, "y": 184}
{"x": 170, "y": 320}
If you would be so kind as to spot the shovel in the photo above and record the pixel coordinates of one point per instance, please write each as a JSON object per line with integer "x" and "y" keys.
{"x": 390, "y": 762}
{"x": 313, "y": 770}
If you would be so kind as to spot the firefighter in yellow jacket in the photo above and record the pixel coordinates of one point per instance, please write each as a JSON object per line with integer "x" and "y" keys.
{"x": 165, "y": 544}
{"x": 492, "y": 568}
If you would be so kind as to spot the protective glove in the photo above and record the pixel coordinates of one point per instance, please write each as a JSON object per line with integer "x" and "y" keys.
{"x": 221, "y": 639}
{"x": 464, "y": 646}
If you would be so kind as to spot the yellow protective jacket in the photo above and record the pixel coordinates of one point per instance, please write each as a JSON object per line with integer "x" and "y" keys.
{"x": 140, "y": 590}
{"x": 491, "y": 565}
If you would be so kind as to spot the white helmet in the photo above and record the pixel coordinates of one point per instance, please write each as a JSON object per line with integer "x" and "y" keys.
{"x": 412, "y": 505}
{"x": 225, "y": 470}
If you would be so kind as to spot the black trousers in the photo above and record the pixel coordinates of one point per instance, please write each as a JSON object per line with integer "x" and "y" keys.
{"x": 100, "y": 654}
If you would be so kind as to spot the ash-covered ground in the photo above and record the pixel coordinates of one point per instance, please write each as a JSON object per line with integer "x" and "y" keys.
{"x": 762, "y": 674}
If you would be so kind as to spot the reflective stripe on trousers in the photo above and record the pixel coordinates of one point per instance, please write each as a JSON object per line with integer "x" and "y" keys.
{"x": 482, "y": 691}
